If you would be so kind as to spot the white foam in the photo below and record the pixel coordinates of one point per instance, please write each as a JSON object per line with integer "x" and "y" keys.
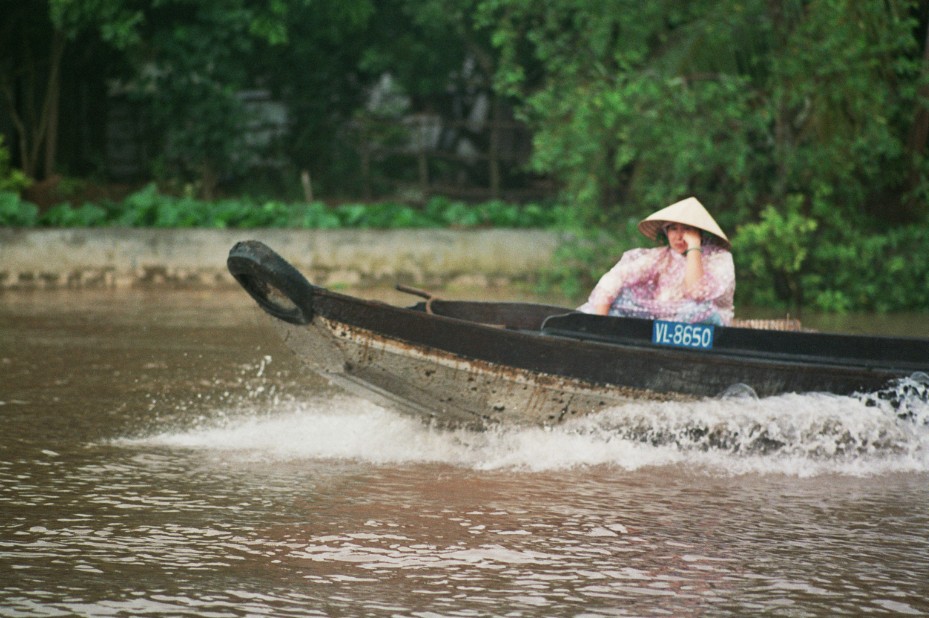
{"x": 800, "y": 435}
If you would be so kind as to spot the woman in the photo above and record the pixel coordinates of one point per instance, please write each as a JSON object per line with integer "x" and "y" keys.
{"x": 692, "y": 279}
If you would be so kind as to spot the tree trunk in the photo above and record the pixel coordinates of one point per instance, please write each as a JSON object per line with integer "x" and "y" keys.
{"x": 18, "y": 124}
{"x": 494, "y": 150}
{"x": 52, "y": 106}
{"x": 209, "y": 180}
{"x": 37, "y": 126}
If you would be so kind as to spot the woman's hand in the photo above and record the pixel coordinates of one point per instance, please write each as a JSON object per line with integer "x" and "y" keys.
{"x": 692, "y": 238}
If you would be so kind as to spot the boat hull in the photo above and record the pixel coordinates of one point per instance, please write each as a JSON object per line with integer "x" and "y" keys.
{"x": 447, "y": 389}
{"x": 474, "y": 364}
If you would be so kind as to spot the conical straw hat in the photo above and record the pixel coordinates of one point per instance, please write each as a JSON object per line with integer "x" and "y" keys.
{"x": 689, "y": 212}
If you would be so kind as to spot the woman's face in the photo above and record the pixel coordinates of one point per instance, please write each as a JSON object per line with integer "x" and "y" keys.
{"x": 678, "y": 233}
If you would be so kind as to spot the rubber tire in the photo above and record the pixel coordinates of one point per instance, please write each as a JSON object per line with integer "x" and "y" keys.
{"x": 259, "y": 270}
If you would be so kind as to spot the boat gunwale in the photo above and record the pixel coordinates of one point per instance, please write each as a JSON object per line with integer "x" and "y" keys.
{"x": 666, "y": 363}
{"x": 644, "y": 343}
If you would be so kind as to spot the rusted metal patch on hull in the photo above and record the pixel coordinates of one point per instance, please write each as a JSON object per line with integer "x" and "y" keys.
{"x": 444, "y": 388}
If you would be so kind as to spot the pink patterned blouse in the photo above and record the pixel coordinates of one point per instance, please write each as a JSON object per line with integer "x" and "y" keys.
{"x": 649, "y": 283}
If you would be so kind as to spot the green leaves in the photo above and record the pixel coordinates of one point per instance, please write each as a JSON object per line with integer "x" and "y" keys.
{"x": 774, "y": 250}
{"x": 11, "y": 179}
{"x": 642, "y": 103}
{"x": 14, "y": 212}
{"x": 789, "y": 259}
{"x": 118, "y": 21}
{"x": 781, "y": 239}
{"x": 63, "y": 215}
{"x": 149, "y": 208}
{"x": 790, "y": 119}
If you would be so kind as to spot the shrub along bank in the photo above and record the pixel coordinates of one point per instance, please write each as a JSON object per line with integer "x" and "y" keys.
{"x": 149, "y": 208}
{"x": 786, "y": 259}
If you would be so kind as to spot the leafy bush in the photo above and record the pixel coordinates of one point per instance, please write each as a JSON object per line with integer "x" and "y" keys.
{"x": 788, "y": 259}
{"x": 770, "y": 255}
{"x": 739, "y": 103}
{"x": 854, "y": 271}
{"x": 11, "y": 179}
{"x": 149, "y": 208}
{"x": 15, "y": 212}
{"x": 63, "y": 215}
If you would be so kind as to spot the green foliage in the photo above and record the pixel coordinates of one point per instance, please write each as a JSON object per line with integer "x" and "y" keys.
{"x": 14, "y": 212}
{"x": 854, "y": 271}
{"x": 802, "y": 125}
{"x": 11, "y": 179}
{"x": 150, "y": 208}
{"x": 319, "y": 75}
{"x": 117, "y": 20}
{"x": 790, "y": 260}
{"x": 63, "y": 215}
{"x": 189, "y": 62}
{"x": 740, "y": 102}
{"x": 792, "y": 121}
{"x": 770, "y": 255}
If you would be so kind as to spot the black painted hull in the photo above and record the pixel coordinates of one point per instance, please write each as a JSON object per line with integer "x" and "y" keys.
{"x": 478, "y": 364}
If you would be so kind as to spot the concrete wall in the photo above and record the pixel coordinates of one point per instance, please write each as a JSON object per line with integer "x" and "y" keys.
{"x": 118, "y": 258}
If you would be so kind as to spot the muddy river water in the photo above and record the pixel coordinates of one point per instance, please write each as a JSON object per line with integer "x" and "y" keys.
{"x": 161, "y": 453}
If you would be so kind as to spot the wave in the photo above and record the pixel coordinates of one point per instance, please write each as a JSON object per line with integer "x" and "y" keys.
{"x": 802, "y": 435}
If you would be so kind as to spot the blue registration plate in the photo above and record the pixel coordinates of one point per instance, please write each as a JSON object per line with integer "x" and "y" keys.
{"x": 683, "y": 335}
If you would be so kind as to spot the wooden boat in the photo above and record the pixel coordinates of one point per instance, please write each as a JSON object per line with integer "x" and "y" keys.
{"x": 476, "y": 364}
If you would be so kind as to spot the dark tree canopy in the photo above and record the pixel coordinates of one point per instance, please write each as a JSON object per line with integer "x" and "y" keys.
{"x": 802, "y": 123}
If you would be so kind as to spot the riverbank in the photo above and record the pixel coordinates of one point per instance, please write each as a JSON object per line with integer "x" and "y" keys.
{"x": 121, "y": 258}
